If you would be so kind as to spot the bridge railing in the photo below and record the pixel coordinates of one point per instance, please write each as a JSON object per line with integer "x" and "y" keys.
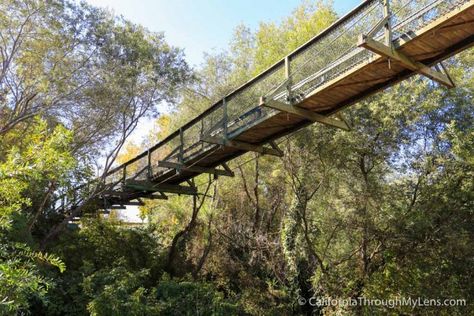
{"x": 334, "y": 53}
{"x": 328, "y": 55}
{"x": 315, "y": 67}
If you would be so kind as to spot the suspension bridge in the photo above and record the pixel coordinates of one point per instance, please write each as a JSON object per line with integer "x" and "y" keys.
{"x": 376, "y": 45}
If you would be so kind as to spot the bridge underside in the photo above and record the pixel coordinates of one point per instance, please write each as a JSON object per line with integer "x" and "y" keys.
{"x": 414, "y": 52}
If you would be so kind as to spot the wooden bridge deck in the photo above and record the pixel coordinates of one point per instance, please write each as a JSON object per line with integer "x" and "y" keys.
{"x": 412, "y": 51}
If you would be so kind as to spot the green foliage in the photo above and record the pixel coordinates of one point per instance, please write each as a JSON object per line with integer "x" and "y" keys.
{"x": 119, "y": 292}
{"x": 113, "y": 270}
{"x": 108, "y": 268}
{"x": 193, "y": 298}
{"x": 21, "y": 278}
{"x": 274, "y": 41}
{"x": 82, "y": 66}
{"x": 41, "y": 154}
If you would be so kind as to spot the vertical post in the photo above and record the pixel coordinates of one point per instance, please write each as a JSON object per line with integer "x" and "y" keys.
{"x": 150, "y": 171}
{"x": 288, "y": 78}
{"x": 124, "y": 174}
{"x": 224, "y": 104}
{"x": 181, "y": 145}
{"x": 388, "y": 27}
{"x": 202, "y": 133}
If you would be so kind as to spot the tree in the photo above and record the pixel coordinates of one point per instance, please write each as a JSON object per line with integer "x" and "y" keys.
{"x": 41, "y": 156}
{"x": 80, "y": 66}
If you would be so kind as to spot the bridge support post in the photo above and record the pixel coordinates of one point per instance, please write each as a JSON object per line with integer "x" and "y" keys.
{"x": 149, "y": 170}
{"x": 124, "y": 174}
{"x": 288, "y": 79}
{"x": 388, "y": 25}
{"x": 225, "y": 118}
{"x": 201, "y": 132}
{"x": 181, "y": 148}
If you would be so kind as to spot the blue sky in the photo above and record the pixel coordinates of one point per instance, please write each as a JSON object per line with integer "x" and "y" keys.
{"x": 200, "y": 26}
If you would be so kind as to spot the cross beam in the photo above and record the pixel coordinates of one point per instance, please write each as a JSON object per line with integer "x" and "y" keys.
{"x": 134, "y": 203}
{"x": 198, "y": 169}
{"x": 392, "y": 53}
{"x": 307, "y": 114}
{"x": 244, "y": 146}
{"x": 116, "y": 207}
{"x": 148, "y": 186}
{"x": 127, "y": 195}
{"x": 161, "y": 196}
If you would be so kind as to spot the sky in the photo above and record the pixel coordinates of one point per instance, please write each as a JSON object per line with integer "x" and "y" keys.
{"x": 200, "y": 26}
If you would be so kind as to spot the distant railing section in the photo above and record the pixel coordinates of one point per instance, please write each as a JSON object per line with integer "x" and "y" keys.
{"x": 327, "y": 56}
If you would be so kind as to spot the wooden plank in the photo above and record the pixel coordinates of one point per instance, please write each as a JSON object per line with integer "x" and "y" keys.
{"x": 197, "y": 169}
{"x": 411, "y": 64}
{"x": 333, "y": 82}
{"x": 309, "y": 115}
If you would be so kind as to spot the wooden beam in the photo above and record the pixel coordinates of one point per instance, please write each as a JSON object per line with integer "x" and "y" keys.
{"x": 113, "y": 193}
{"x": 116, "y": 207}
{"x": 378, "y": 26}
{"x": 226, "y": 167}
{"x": 134, "y": 203}
{"x": 275, "y": 146}
{"x": 454, "y": 27}
{"x": 124, "y": 196}
{"x": 161, "y": 196}
{"x": 406, "y": 61}
{"x": 139, "y": 173}
{"x": 197, "y": 169}
{"x": 148, "y": 186}
{"x": 307, "y": 114}
{"x": 243, "y": 146}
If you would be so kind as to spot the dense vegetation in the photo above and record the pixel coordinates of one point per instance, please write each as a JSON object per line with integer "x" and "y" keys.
{"x": 384, "y": 211}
